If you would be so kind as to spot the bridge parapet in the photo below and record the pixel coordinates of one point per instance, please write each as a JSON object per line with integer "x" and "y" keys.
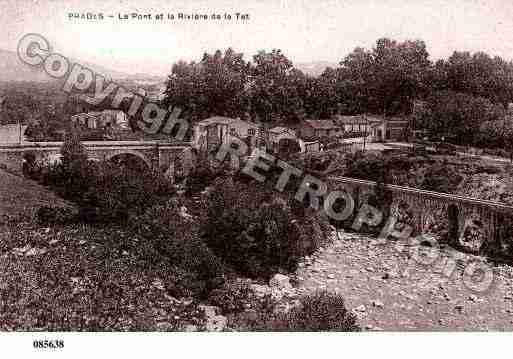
{"x": 158, "y": 155}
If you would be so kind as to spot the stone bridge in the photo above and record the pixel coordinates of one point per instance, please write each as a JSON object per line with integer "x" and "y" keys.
{"x": 157, "y": 155}
{"x": 476, "y": 225}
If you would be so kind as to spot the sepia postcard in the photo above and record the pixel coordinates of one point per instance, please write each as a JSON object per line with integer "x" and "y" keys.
{"x": 171, "y": 169}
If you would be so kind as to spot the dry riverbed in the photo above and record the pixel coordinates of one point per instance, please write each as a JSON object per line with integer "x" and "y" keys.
{"x": 390, "y": 286}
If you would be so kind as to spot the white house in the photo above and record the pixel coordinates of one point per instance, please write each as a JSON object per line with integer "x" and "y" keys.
{"x": 12, "y": 133}
{"x": 216, "y": 130}
{"x": 100, "y": 119}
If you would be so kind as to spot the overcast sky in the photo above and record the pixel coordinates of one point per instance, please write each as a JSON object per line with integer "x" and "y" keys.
{"x": 313, "y": 30}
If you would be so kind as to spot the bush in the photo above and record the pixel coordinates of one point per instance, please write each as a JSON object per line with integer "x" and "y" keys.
{"x": 488, "y": 168}
{"x": 70, "y": 178}
{"x": 201, "y": 176}
{"x": 233, "y": 297}
{"x": 441, "y": 177}
{"x": 322, "y": 311}
{"x": 167, "y": 240}
{"x": 29, "y": 165}
{"x": 119, "y": 192}
{"x": 47, "y": 215}
{"x": 256, "y": 233}
{"x": 368, "y": 166}
{"x": 106, "y": 191}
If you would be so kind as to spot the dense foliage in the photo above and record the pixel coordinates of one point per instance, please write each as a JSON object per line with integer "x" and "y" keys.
{"x": 104, "y": 191}
{"x": 255, "y": 232}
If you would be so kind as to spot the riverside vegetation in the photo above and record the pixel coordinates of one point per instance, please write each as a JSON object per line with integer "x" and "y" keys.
{"x": 132, "y": 256}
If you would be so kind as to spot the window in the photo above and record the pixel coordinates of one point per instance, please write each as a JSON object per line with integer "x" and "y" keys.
{"x": 251, "y": 131}
{"x": 232, "y": 131}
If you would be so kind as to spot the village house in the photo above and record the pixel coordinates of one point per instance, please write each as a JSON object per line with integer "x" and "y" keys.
{"x": 284, "y": 139}
{"x": 388, "y": 129}
{"x": 357, "y": 124}
{"x": 12, "y": 133}
{"x": 213, "y": 131}
{"x": 101, "y": 119}
{"x": 278, "y": 133}
{"x": 316, "y": 129}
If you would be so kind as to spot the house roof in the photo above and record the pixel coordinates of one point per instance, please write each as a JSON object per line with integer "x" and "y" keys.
{"x": 279, "y": 129}
{"x": 351, "y": 120}
{"x": 234, "y": 122}
{"x": 83, "y": 115}
{"x": 322, "y": 124}
{"x": 215, "y": 120}
{"x": 378, "y": 118}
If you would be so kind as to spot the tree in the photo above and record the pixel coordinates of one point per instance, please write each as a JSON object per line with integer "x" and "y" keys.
{"x": 213, "y": 86}
{"x": 458, "y": 115}
{"x": 274, "y": 90}
{"x": 478, "y": 75}
{"x": 73, "y": 171}
{"x": 388, "y": 78}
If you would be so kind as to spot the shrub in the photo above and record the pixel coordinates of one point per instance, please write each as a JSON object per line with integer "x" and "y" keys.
{"x": 322, "y": 311}
{"x": 256, "y": 233}
{"x": 105, "y": 191}
{"x": 167, "y": 240}
{"x": 441, "y": 177}
{"x": 365, "y": 166}
{"x": 119, "y": 192}
{"x": 70, "y": 178}
{"x": 47, "y": 215}
{"x": 29, "y": 164}
{"x": 232, "y": 297}
{"x": 488, "y": 168}
{"x": 201, "y": 176}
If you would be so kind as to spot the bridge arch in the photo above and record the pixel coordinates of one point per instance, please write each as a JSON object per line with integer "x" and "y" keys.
{"x": 133, "y": 153}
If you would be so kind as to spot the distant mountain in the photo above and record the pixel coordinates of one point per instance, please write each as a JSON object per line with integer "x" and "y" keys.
{"x": 314, "y": 68}
{"x": 13, "y": 69}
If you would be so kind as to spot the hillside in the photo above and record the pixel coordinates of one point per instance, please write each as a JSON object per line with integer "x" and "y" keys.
{"x": 22, "y": 196}
{"x": 13, "y": 69}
